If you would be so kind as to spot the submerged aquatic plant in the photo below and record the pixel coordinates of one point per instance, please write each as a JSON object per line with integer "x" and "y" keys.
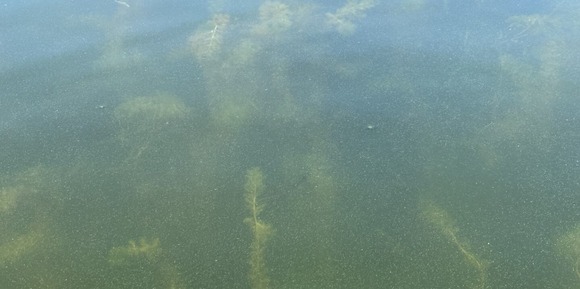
{"x": 275, "y": 17}
{"x": 343, "y": 19}
{"x": 568, "y": 245}
{"x": 206, "y": 42}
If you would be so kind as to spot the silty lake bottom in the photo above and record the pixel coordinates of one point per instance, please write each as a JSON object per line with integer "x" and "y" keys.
{"x": 290, "y": 144}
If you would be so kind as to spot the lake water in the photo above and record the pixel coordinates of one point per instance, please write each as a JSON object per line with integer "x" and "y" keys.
{"x": 289, "y": 144}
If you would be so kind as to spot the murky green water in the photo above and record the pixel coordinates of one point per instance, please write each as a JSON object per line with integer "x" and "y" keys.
{"x": 290, "y": 144}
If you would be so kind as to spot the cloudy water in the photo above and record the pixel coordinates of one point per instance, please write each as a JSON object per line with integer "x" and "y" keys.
{"x": 289, "y": 144}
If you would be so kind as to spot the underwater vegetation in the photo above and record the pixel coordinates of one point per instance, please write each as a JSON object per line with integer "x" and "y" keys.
{"x": 27, "y": 201}
{"x": 275, "y": 17}
{"x": 178, "y": 215}
{"x": 442, "y": 221}
{"x": 145, "y": 253}
{"x": 149, "y": 111}
{"x": 146, "y": 249}
{"x": 568, "y": 246}
{"x": 261, "y": 232}
{"x": 206, "y": 42}
{"x": 142, "y": 120}
{"x": 343, "y": 19}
